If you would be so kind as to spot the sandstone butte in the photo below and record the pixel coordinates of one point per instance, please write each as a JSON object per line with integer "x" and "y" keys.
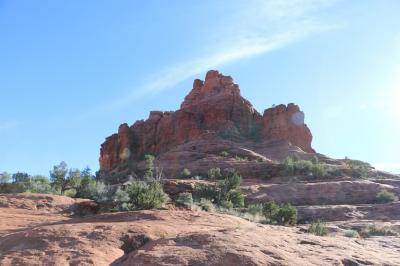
{"x": 213, "y": 118}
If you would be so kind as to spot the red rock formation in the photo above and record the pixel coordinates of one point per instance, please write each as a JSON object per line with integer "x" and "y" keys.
{"x": 214, "y": 105}
{"x": 287, "y": 122}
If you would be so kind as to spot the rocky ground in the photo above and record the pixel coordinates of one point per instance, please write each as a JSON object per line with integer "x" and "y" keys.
{"x": 37, "y": 230}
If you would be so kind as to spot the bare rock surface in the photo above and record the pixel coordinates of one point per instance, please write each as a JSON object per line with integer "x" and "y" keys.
{"x": 176, "y": 237}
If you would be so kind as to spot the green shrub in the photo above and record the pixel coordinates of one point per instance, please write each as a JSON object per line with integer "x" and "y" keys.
{"x": 287, "y": 215}
{"x": 318, "y": 228}
{"x": 95, "y": 190}
{"x": 270, "y": 210}
{"x": 214, "y": 173}
{"x": 185, "y": 173}
{"x": 351, "y": 234}
{"x": 303, "y": 167}
{"x": 255, "y": 209}
{"x": 294, "y": 166}
{"x": 224, "y": 154}
{"x": 231, "y": 181}
{"x": 4, "y": 178}
{"x": 385, "y": 196}
{"x": 39, "y": 184}
{"x": 227, "y": 204}
{"x": 359, "y": 169}
{"x": 206, "y": 205}
{"x": 284, "y": 214}
{"x": 121, "y": 196}
{"x": 374, "y": 230}
{"x": 206, "y": 191}
{"x": 185, "y": 199}
{"x": 242, "y": 159}
{"x": 146, "y": 195}
{"x": 236, "y": 197}
{"x": 149, "y": 174}
{"x": 11, "y": 188}
{"x": 319, "y": 170}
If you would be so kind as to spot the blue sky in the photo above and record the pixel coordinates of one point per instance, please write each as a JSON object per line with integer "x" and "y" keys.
{"x": 72, "y": 71}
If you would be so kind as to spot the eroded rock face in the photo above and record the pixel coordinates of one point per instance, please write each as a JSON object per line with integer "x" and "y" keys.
{"x": 287, "y": 122}
{"x": 213, "y": 106}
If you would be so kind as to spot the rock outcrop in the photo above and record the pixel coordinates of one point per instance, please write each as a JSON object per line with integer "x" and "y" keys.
{"x": 214, "y": 110}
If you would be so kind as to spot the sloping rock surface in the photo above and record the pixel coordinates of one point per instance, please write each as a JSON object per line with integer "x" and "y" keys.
{"x": 175, "y": 237}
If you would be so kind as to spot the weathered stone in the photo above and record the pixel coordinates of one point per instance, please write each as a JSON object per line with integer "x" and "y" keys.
{"x": 213, "y": 112}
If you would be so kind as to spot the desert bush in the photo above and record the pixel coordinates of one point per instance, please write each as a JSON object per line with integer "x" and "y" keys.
{"x": 359, "y": 169}
{"x": 11, "y": 188}
{"x": 374, "y": 230}
{"x": 284, "y": 214}
{"x": 240, "y": 158}
{"x": 319, "y": 170}
{"x": 39, "y": 184}
{"x": 236, "y": 197}
{"x": 227, "y": 204}
{"x": 206, "y": 191}
{"x": 206, "y": 205}
{"x": 385, "y": 196}
{"x": 231, "y": 181}
{"x": 185, "y": 173}
{"x": 224, "y": 154}
{"x": 149, "y": 174}
{"x": 269, "y": 210}
{"x": 255, "y": 209}
{"x": 120, "y": 197}
{"x": 214, "y": 173}
{"x": 226, "y": 190}
{"x": 287, "y": 215}
{"x": 4, "y": 178}
{"x": 185, "y": 199}
{"x": 294, "y": 166}
{"x": 351, "y": 234}
{"x": 146, "y": 195}
{"x": 95, "y": 190}
{"x": 318, "y": 228}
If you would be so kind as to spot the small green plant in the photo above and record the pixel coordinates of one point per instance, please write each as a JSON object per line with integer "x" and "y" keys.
{"x": 149, "y": 174}
{"x": 351, "y": 234}
{"x": 385, "y": 196}
{"x": 374, "y": 230}
{"x": 241, "y": 159}
{"x": 359, "y": 168}
{"x": 227, "y": 204}
{"x": 185, "y": 173}
{"x": 318, "y": 228}
{"x": 236, "y": 197}
{"x": 185, "y": 199}
{"x": 224, "y": 153}
{"x": 287, "y": 215}
{"x": 210, "y": 192}
{"x": 214, "y": 173}
{"x": 255, "y": 209}
{"x": 146, "y": 195}
{"x": 270, "y": 210}
{"x": 284, "y": 214}
{"x": 206, "y": 205}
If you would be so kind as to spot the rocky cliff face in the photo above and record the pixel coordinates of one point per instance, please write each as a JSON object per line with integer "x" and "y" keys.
{"x": 214, "y": 106}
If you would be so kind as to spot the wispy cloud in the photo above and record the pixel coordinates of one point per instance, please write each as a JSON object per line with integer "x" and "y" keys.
{"x": 261, "y": 27}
